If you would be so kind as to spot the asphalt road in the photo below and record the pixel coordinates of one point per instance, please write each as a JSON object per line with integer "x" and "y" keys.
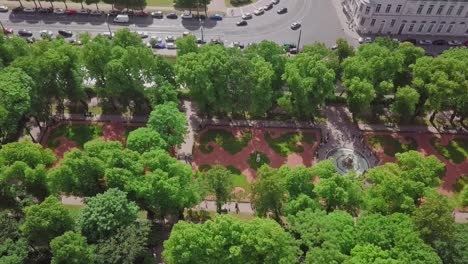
{"x": 318, "y": 17}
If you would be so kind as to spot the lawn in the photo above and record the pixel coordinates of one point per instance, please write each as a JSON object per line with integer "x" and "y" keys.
{"x": 238, "y": 180}
{"x": 225, "y": 140}
{"x": 390, "y": 145}
{"x": 231, "y": 3}
{"x": 456, "y": 151}
{"x": 253, "y": 160}
{"x": 75, "y": 210}
{"x": 160, "y": 3}
{"x": 80, "y": 134}
{"x": 288, "y": 143}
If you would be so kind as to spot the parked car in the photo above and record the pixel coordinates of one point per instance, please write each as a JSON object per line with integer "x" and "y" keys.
{"x": 425, "y": 42}
{"x": 17, "y": 9}
{"x": 29, "y": 10}
{"x": 65, "y": 33}
{"x": 241, "y": 23}
{"x": 47, "y": 10}
{"x": 71, "y": 12}
{"x": 216, "y": 17}
{"x": 3, "y": 9}
{"x": 171, "y": 45}
{"x": 454, "y": 43}
{"x": 186, "y": 16}
{"x": 157, "y": 14}
{"x": 466, "y": 43}
{"x": 171, "y": 16}
{"x": 293, "y": 51}
{"x": 201, "y": 41}
{"x": 96, "y": 13}
{"x": 259, "y": 11}
{"x": 275, "y": 2}
{"x": 113, "y": 13}
{"x": 282, "y": 10}
{"x": 217, "y": 41}
{"x": 159, "y": 45}
{"x": 141, "y": 14}
{"x": 170, "y": 38}
{"x": 237, "y": 44}
{"x": 186, "y": 33}
{"x": 439, "y": 42}
{"x": 268, "y": 6}
{"x": 142, "y": 34}
{"x": 121, "y": 19}
{"x": 46, "y": 34}
{"x": 59, "y": 11}
{"x": 247, "y": 16}
{"x": 74, "y": 41}
{"x": 108, "y": 35}
{"x": 24, "y": 33}
{"x": 30, "y": 39}
{"x": 83, "y": 11}
{"x": 7, "y": 31}
{"x": 295, "y": 25}
{"x": 288, "y": 46}
{"x": 365, "y": 40}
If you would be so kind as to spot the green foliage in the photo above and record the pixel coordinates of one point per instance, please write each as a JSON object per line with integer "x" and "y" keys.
{"x": 169, "y": 122}
{"x": 145, "y": 139}
{"x": 405, "y": 103}
{"x": 298, "y": 180}
{"x": 224, "y": 139}
{"x": 80, "y": 134}
{"x": 186, "y": 45}
{"x": 228, "y": 240}
{"x": 299, "y": 204}
{"x": 13, "y": 252}
{"x": 460, "y": 183}
{"x": 45, "y": 221}
{"x": 390, "y": 145}
{"x": 289, "y": 142}
{"x": 456, "y": 150}
{"x": 324, "y": 169}
{"x": 27, "y": 152}
{"x": 9, "y": 227}
{"x": 340, "y": 192}
{"x": 218, "y": 181}
{"x": 360, "y": 95}
{"x": 105, "y": 214}
{"x": 263, "y": 160}
{"x": 268, "y": 192}
{"x": 71, "y": 247}
{"x": 464, "y": 196}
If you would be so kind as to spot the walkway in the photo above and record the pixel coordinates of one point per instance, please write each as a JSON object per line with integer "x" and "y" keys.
{"x": 193, "y": 123}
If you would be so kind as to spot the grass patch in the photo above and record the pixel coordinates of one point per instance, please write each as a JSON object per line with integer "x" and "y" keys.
{"x": 288, "y": 143}
{"x": 253, "y": 160}
{"x": 74, "y": 209}
{"x": 231, "y": 3}
{"x": 160, "y": 3}
{"x": 456, "y": 151}
{"x": 390, "y": 145}
{"x": 225, "y": 140}
{"x": 461, "y": 182}
{"x": 80, "y": 134}
{"x": 239, "y": 179}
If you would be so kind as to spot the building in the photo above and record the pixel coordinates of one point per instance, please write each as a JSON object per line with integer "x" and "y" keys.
{"x": 408, "y": 17}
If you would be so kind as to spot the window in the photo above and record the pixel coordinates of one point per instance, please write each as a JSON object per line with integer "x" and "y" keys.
{"x": 387, "y": 10}
{"x": 460, "y": 10}
{"x": 367, "y": 9}
{"x": 398, "y": 8}
{"x": 377, "y": 9}
{"x": 372, "y": 23}
{"x": 361, "y": 7}
{"x": 411, "y": 27}
{"x": 420, "y": 27}
{"x": 420, "y": 8}
{"x": 429, "y": 10}
{"x": 449, "y": 11}
{"x": 439, "y": 29}
{"x": 363, "y": 20}
{"x": 392, "y": 23}
{"x": 431, "y": 26}
{"x": 449, "y": 29}
{"x": 439, "y": 11}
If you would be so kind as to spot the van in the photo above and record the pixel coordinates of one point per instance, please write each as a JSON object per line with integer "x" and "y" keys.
{"x": 121, "y": 19}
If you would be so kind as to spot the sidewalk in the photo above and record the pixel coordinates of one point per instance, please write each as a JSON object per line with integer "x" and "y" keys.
{"x": 409, "y": 128}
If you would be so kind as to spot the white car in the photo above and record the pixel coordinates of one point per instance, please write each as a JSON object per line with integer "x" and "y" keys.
{"x": 171, "y": 46}
{"x": 170, "y": 39}
{"x": 59, "y": 11}
{"x": 142, "y": 34}
{"x": 187, "y": 16}
{"x": 259, "y": 11}
{"x": 246, "y": 16}
{"x": 83, "y": 11}
{"x": 46, "y": 34}
{"x": 295, "y": 25}
{"x": 3, "y": 9}
{"x": 454, "y": 43}
{"x": 108, "y": 35}
{"x": 275, "y": 2}
{"x": 29, "y": 10}
{"x": 365, "y": 40}
{"x": 425, "y": 42}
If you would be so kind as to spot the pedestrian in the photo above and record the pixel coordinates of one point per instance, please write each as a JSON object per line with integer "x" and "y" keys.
{"x": 237, "y": 208}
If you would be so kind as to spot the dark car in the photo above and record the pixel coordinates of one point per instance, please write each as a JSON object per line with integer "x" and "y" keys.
{"x": 241, "y": 23}
{"x": 141, "y": 14}
{"x": 216, "y": 17}
{"x": 159, "y": 45}
{"x": 17, "y": 10}
{"x": 24, "y": 33}
{"x": 201, "y": 41}
{"x": 439, "y": 42}
{"x": 113, "y": 13}
{"x": 45, "y": 10}
{"x": 268, "y": 6}
{"x": 282, "y": 10}
{"x": 65, "y": 33}
{"x": 171, "y": 16}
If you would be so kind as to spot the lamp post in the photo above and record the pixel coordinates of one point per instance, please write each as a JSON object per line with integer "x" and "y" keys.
{"x": 108, "y": 26}
{"x": 201, "y": 29}
{"x": 299, "y": 39}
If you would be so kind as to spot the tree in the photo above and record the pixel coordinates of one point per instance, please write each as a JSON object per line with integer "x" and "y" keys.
{"x": 9, "y": 227}
{"x": 268, "y": 192}
{"x": 169, "y": 122}
{"x": 405, "y": 103}
{"x": 298, "y": 181}
{"x": 45, "y": 221}
{"x": 261, "y": 94}
{"x": 324, "y": 169}
{"x": 460, "y": 255}
{"x": 228, "y": 240}
{"x": 71, "y": 247}
{"x": 162, "y": 93}
{"x": 340, "y": 192}
{"x": 310, "y": 83}
{"x": 464, "y": 196}
{"x": 15, "y": 101}
{"x": 105, "y": 213}
{"x": 96, "y": 54}
{"x": 343, "y": 49}
{"x": 218, "y": 181}
{"x": 301, "y": 203}
{"x": 26, "y": 151}
{"x": 145, "y": 139}
{"x": 127, "y": 245}
{"x": 186, "y": 45}
{"x": 360, "y": 95}
{"x": 13, "y": 252}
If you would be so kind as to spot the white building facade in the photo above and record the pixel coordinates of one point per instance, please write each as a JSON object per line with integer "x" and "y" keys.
{"x": 408, "y": 17}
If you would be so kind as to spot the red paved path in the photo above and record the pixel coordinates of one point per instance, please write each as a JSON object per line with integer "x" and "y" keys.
{"x": 258, "y": 143}
{"x": 424, "y": 145}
